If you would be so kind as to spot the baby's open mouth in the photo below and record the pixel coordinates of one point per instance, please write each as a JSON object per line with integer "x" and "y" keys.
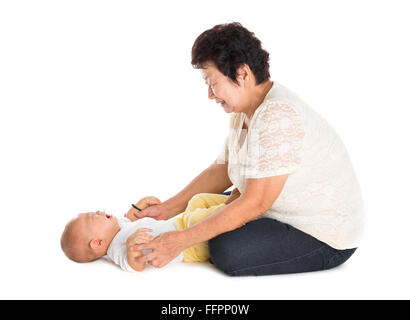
{"x": 108, "y": 216}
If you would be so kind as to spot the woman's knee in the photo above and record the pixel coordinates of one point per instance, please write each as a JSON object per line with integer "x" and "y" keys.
{"x": 340, "y": 257}
{"x": 221, "y": 252}
{"x": 236, "y": 249}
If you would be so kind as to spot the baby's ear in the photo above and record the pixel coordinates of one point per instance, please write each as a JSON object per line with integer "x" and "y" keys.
{"x": 96, "y": 243}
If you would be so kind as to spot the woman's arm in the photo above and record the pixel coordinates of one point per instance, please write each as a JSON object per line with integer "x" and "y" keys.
{"x": 213, "y": 179}
{"x": 259, "y": 195}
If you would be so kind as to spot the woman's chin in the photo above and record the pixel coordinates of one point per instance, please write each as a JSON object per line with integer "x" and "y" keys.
{"x": 227, "y": 109}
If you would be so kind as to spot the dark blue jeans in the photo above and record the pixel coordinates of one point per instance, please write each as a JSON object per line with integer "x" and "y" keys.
{"x": 266, "y": 246}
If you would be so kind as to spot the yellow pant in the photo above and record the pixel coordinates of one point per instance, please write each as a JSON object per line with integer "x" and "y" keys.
{"x": 199, "y": 207}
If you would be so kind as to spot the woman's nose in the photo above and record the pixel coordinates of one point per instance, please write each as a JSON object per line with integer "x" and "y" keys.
{"x": 211, "y": 94}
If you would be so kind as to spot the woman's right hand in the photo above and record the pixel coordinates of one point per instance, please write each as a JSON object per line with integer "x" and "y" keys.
{"x": 142, "y": 204}
{"x": 157, "y": 211}
{"x": 151, "y": 207}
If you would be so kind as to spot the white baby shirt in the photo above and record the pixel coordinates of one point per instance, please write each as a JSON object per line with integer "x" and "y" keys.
{"x": 117, "y": 251}
{"x": 321, "y": 196}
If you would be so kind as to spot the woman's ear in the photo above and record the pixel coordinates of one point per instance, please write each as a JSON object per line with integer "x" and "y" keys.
{"x": 243, "y": 74}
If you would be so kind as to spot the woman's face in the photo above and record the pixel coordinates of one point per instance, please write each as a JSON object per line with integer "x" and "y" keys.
{"x": 232, "y": 97}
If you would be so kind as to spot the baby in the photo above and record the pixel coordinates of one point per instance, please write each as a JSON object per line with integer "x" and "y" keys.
{"x": 93, "y": 235}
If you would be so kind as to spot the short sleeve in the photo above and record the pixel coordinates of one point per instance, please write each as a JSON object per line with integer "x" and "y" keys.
{"x": 224, "y": 153}
{"x": 275, "y": 141}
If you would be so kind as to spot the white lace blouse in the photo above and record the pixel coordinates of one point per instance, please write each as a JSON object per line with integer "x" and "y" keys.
{"x": 321, "y": 196}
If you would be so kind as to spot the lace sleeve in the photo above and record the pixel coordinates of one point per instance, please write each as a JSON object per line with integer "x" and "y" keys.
{"x": 275, "y": 141}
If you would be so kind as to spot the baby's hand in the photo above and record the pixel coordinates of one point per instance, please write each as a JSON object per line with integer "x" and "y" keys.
{"x": 140, "y": 236}
{"x": 142, "y": 204}
{"x": 130, "y": 214}
{"x": 235, "y": 194}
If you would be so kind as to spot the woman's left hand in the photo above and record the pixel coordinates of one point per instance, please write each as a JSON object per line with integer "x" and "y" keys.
{"x": 165, "y": 248}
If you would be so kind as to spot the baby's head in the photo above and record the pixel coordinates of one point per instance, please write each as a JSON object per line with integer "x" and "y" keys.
{"x": 87, "y": 237}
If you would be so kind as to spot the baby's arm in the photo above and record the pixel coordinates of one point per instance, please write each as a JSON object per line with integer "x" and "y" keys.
{"x": 140, "y": 236}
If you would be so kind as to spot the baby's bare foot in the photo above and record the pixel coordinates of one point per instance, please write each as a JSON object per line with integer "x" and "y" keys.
{"x": 235, "y": 194}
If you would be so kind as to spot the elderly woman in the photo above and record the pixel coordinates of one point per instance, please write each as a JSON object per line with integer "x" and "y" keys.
{"x": 300, "y": 206}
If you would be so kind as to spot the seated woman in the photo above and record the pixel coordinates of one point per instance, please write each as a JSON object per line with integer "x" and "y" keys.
{"x": 300, "y": 207}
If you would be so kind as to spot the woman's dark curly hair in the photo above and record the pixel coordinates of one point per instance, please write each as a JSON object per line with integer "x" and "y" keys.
{"x": 230, "y": 46}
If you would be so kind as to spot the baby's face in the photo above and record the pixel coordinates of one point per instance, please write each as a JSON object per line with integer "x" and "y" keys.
{"x": 99, "y": 223}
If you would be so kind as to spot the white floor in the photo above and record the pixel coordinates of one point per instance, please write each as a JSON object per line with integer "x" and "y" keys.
{"x": 41, "y": 271}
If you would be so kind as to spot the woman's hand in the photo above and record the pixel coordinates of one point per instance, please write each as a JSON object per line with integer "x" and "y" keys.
{"x": 156, "y": 211}
{"x": 146, "y": 202}
{"x": 165, "y": 248}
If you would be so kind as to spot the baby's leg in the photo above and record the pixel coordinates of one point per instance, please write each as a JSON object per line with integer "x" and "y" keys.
{"x": 200, "y": 251}
{"x": 199, "y": 207}
{"x": 205, "y": 200}
{"x": 193, "y": 217}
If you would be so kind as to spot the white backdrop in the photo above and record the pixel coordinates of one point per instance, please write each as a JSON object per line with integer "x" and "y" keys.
{"x": 99, "y": 106}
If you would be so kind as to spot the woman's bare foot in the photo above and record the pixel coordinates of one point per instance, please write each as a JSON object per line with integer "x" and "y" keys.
{"x": 235, "y": 194}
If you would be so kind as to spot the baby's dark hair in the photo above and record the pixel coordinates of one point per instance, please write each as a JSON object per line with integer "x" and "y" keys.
{"x": 230, "y": 46}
